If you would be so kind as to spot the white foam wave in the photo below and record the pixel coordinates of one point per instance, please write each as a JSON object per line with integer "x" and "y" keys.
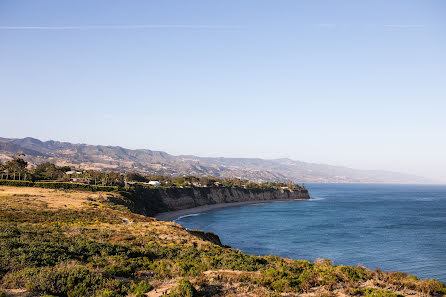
{"x": 188, "y": 215}
{"x": 426, "y": 199}
{"x": 316, "y": 199}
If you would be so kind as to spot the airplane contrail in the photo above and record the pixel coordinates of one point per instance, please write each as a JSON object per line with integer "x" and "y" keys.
{"x": 101, "y": 27}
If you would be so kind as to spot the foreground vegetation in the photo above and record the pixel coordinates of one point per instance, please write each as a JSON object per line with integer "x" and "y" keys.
{"x": 79, "y": 243}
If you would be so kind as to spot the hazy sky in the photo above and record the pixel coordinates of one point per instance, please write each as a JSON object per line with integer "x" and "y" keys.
{"x": 354, "y": 83}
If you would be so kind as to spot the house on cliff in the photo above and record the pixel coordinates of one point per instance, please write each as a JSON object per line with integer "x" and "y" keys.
{"x": 154, "y": 183}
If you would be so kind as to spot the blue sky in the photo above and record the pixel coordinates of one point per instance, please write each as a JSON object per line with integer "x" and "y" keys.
{"x": 354, "y": 83}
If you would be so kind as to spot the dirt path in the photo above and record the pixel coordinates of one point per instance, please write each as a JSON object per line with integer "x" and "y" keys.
{"x": 163, "y": 290}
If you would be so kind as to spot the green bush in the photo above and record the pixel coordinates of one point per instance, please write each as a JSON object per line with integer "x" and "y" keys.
{"x": 139, "y": 289}
{"x": 184, "y": 289}
{"x": 279, "y": 285}
{"x": 2, "y": 294}
{"x": 354, "y": 273}
{"x": 371, "y": 292}
{"x": 69, "y": 281}
{"x": 16, "y": 183}
{"x": 107, "y": 293}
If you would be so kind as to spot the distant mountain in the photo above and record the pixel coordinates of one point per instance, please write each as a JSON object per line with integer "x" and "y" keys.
{"x": 157, "y": 162}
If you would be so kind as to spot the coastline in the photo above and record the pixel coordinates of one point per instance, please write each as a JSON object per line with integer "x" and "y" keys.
{"x": 176, "y": 214}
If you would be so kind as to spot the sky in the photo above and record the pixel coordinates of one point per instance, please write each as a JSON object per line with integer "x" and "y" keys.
{"x": 354, "y": 83}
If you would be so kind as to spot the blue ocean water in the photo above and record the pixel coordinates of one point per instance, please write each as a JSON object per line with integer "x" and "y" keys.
{"x": 393, "y": 227}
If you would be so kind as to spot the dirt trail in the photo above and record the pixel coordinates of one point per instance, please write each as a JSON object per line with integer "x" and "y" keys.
{"x": 163, "y": 290}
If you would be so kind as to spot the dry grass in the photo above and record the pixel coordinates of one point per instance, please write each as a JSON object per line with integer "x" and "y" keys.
{"x": 146, "y": 230}
{"x": 52, "y": 199}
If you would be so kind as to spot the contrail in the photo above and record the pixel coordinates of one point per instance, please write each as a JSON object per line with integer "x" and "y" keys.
{"x": 108, "y": 27}
{"x": 403, "y": 26}
{"x": 206, "y": 27}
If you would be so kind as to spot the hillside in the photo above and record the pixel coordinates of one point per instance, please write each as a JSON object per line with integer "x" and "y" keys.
{"x": 69, "y": 243}
{"x": 156, "y": 162}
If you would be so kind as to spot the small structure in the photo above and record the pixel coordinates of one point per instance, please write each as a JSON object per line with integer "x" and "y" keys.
{"x": 74, "y": 176}
{"x": 154, "y": 183}
{"x": 71, "y": 172}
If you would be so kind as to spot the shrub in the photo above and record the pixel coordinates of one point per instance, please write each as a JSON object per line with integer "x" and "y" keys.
{"x": 16, "y": 183}
{"x": 118, "y": 270}
{"x": 107, "y": 293}
{"x": 429, "y": 286}
{"x": 371, "y": 292}
{"x": 354, "y": 273}
{"x": 184, "y": 289}
{"x": 279, "y": 285}
{"x": 139, "y": 289}
{"x": 307, "y": 280}
{"x": 68, "y": 281}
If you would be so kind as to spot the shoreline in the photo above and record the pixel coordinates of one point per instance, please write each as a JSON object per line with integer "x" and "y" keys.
{"x": 176, "y": 214}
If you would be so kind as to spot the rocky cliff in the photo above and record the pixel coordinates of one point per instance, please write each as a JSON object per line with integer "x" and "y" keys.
{"x": 152, "y": 201}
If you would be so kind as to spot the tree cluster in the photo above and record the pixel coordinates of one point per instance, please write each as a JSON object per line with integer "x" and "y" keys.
{"x": 17, "y": 169}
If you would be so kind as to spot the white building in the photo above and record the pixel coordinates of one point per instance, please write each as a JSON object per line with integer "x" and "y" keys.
{"x": 154, "y": 183}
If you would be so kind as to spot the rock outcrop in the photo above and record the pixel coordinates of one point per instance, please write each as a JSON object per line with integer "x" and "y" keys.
{"x": 208, "y": 236}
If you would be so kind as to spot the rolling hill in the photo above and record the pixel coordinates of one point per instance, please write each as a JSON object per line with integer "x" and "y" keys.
{"x": 156, "y": 162}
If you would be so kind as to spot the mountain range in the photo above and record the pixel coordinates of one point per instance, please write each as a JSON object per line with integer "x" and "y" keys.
{"x": 157, "y": 162}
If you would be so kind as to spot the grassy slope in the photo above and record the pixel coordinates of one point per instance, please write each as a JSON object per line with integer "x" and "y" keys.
{"x": 69, "y": 243}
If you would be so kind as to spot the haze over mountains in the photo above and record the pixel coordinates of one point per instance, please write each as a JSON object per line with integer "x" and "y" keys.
{"x": 157, "y": 162}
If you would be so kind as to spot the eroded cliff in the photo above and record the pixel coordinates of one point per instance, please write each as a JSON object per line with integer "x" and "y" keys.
{"x": 152, "y": 201}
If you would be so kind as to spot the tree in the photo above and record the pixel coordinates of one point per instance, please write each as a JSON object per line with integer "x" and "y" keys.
{"x": 47, "y": 170}
{"x": 111, "y": 178}
{"x": 208, "y": 181}
{"x": 135, "y": 177}
{"x": 64, "y": 168}
{"x": 17, "y": 165}
{"x": 252, "y": 185}
{"x": 95, "y": 175}
{"x": 2, "y": 170}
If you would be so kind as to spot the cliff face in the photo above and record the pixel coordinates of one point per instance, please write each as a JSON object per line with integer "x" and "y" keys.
{"x": 152, "y": 201}
{"x": 193, "y": 197}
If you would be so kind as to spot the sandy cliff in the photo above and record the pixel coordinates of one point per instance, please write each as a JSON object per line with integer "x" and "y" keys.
{"x": 153, "y": 201}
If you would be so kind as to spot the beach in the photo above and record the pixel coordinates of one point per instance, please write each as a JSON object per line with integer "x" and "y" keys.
{"x": 174, "y": 215}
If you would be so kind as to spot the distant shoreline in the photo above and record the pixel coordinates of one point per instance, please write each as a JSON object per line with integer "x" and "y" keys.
{"x": 174, "y": 215}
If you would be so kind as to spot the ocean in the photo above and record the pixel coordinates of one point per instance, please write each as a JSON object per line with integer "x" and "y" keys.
{"x": 393, "y": 227}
